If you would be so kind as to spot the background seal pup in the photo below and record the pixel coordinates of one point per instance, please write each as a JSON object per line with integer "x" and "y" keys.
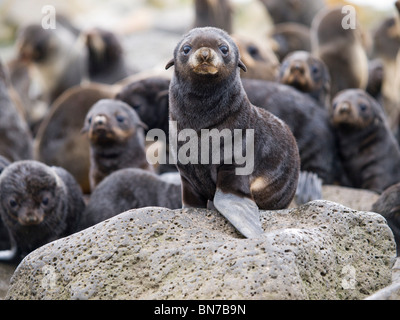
{"x": 116, "y": 138}
{"x": 341, "y": 49}
{"x": 127, "y": 189}
{"x": 206, "y": 92}
{"x": 16, "y": 141}
{"x": 38, "y": 204}
{"x": 368, "y": 150}
{"x": 388, "y": 205}
{"x": 309, "y": 74}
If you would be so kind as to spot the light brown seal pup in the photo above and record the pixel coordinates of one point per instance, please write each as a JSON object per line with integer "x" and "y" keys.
{"x": 369, "y": 152}
{"x": 206, "y": 93}
{"x": 341, "y": 49}
{"x": 309, "y": 74}
{"x": 38, "y": 204}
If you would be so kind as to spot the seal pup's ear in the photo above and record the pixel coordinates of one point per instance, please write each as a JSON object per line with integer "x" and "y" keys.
{"x": 242, "y": 66}
{"x": 170, "y": 64}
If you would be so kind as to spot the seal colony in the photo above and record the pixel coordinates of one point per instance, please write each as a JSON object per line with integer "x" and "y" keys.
{"x": 206, "y": 93}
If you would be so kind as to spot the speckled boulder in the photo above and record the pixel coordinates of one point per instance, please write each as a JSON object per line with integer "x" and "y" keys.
{"x": 320, "y": 250}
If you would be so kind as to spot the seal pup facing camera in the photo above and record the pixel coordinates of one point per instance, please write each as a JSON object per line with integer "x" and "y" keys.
{"x": 126, "y": 189}
{"x": 206, "y": 93}
{"x": 116, "y": 138}
{"x": 309, "y": 74}
{"x": 38, "y": 204}
{"x": 368, "y": 150}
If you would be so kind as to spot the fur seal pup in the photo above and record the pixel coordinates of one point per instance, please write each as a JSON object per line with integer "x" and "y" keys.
{"x": 388, "y": 205}
{"x": 38, "y": 204}
{"x": 341, "y": 49}
{"x": 57, "y": 58}
{"x": 59, "y": 141}
{"x": 106, "y": 61}
{"x": 299, "y": 11}
{"x": 116, "y": 138}
{"x": 16, "y": 141}
{"x": 206, "y": 93}
{"x": 376, "y": 77}
{"x": 126, "y": 189}
{"x": 213, "y": 13}
{"x": 366, "y": 146}
{"x": 307, "y": 73}
{"x": 288, "y": 37}
{"x": 259, "y": 59}
{"x": 5, "y": 243}
{"x": 306, "y": 119}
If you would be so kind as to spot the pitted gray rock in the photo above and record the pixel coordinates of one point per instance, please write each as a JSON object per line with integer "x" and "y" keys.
{"x": 320, "y": 250}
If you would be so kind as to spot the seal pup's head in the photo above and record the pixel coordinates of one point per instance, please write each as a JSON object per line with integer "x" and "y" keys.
{"x": 355, "y": 109}
{"x": 307, "y": 73}
{"x": 30, "y": 193}
{"x": 206, "y": 53}
{"x": 110, "y": 122}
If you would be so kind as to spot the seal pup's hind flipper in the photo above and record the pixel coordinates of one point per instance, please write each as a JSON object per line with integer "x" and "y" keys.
{"x": 242, "y": 212}
{"x": 309, "y": 187}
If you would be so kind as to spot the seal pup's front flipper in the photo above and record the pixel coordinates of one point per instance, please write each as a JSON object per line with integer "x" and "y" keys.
{"x": 9, "y": 255}
{"x": 242, "y": 212}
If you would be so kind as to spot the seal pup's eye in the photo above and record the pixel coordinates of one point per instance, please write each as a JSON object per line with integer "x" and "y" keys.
{"x": 45, "y": 201}
{"x": 186, "y": 49}
{"x": 90, "y": 120}
{"x": 120, "y": 118}
{"x": 314, "y": 69}
{"x": 224, "y": 49}
{"x": 363, "y": 107}
{"x": 13, "y": 203}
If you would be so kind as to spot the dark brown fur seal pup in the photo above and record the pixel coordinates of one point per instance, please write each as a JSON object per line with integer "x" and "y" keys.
{"x": 368, "y": 149}
{"x": 57, "y": 58}
{"x": 206, "y": 93}
{"x": 127, "y": 189}
{"x": 4, "y": 236}
{"x": 306, "y": 119}
{"x": 259, "y": 59}
{"x": 288, "y": 37}
{"x": 38, "y": 204}
{"x": 106, "y": 61}
{"x": 59, "y": 141}
{"x": 309, "y": 74}
{"x": 388, "y": 205}
{"x": 341, "y": 49}
{"x": 300, "y": 11}
{"x": 15, "y": 138}
{"x": 213, "y": 13}
{"x": 116, "y": 138}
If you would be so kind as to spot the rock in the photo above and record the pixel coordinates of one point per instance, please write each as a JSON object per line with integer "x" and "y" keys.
{"x": 391, "y": 292}
{"x": 320, "y": 250}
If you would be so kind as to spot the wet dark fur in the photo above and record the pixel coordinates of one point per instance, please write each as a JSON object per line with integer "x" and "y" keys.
{"x": 307, "y": 120}
{"x": 128, "y": 189}
{"x": 309, "y": 74}
{"x": 388, "y": 205}
{"x": 28, "y": 183}
{"x": 5, "y": 243}
{"x": 368, "y": 149}
{"x": 219, "y": 101}
{"x": 118, "y": 143}
{"x": 15, "y": 137}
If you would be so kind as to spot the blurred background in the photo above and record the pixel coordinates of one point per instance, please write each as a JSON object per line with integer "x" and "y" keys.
{"x": 150, "y": 29}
